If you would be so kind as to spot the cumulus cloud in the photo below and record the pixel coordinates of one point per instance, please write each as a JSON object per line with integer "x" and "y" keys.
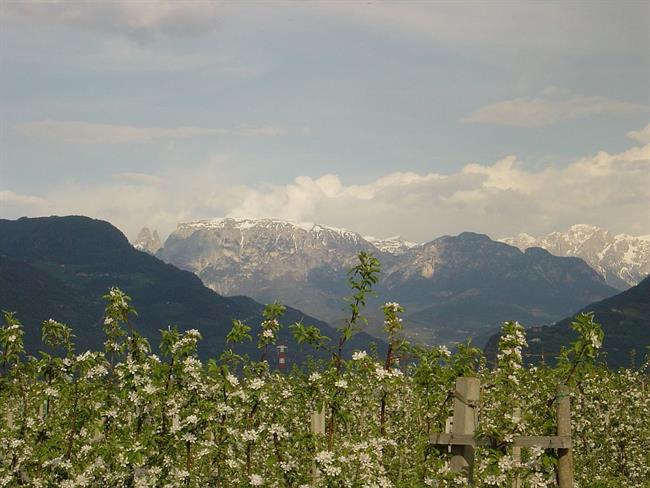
{"x": 138, "y": 20}
{"x": 553, "y": 105}
{"x": 608, "y": 189}
{"x": 76, "y": 132}
{"x": 642, "y": 135}
{"x": 500, "y": 198}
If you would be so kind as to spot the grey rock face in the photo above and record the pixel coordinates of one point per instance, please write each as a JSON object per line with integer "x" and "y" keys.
{"x": 271, "y": 259}
{"x": 147, "y": 241}
{"x": 622, "y": 259}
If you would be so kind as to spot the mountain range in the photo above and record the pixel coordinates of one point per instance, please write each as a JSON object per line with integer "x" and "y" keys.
{"x": 623, "y": 260}
{"x": 60, "y": 267}
{"x": 453, "y": 287}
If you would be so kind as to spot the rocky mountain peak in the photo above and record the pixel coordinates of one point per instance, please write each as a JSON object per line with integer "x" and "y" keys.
{"x": 147, "y": 241}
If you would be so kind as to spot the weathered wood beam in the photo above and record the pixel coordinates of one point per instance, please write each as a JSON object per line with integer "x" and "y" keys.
{"x": 546, "y": 442}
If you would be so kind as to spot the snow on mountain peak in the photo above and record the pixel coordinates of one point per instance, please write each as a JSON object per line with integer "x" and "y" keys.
{"x": 264, "y": 223}
{"x": 584, "y": 228}
{"x": 393, "y": 245}
{"x": 623, "y": 260}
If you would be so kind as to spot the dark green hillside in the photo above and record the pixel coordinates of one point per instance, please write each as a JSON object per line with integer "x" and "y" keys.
{"x": 625, "y": 319}
{"x": 60, "y": 267}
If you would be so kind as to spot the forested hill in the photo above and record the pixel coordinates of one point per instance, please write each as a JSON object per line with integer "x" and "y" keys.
{"x": 60, "y": 267}
{"x": 625, "y": 319}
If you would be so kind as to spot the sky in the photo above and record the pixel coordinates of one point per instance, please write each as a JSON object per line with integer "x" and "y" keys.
{"x": 417, "y": 119}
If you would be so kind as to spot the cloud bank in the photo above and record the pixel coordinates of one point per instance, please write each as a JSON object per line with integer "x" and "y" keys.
{"x": 612, "y": 190}
{"x": 553, "y": 105}
{"x": 502, "y": 198}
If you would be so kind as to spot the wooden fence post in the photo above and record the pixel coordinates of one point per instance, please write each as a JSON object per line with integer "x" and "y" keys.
{"x": 565, "y": 456}
{"x": 516, "y": 450}
{"x": 317, "y": 427}
{"x": 466, "y": 399}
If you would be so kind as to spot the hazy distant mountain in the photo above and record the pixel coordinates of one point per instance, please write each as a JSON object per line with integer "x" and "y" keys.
{"x": 147, "y": 241}
{"x": 453, "y": 287}
{"x": 622, "y": 259}
{"x": 625, "y": 319}
{"x": 60, "y": 267}
{"x": 464, "y": 285}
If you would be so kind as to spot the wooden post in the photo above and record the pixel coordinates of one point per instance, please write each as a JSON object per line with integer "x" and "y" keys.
{"x": 465, "y": 402}
{"x": 317, "y": 427}
{"x": 516, "y": 450}
{"x": 449, "y": 424}
{"x": 565, "y": 456}
{"x": 318, "y": 422}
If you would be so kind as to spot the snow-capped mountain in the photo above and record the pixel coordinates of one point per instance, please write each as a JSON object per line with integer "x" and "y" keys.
{"x": 452, "y": 287}
{"x": 268, "y": 258}
{"x": 393, "y": 245}
{"x": 273, "y": 247}
{"x": 147, "y": 241}
{"x": 623, "y": 260}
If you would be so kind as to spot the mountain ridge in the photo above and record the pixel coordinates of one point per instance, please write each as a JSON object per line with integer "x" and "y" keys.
{"x": 622, "y": 259}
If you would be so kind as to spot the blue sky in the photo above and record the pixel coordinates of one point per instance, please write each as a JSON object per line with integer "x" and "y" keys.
{"x": 411, "y": 118}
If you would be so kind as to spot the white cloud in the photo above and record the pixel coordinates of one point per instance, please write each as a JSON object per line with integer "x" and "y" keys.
{"x": 77, "y": 132}
{"x": 9, "y": 198}
{"x": 609, "y": 189}
{"x": 502, "y": 198}
{"x": 642, "y": 135}
{"x": 139, "y": 20}
{"x": 553, "y": 105}
{"x": 133, "y": 200}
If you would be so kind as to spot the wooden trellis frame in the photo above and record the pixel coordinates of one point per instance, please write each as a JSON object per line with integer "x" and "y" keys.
{"x": 462, "y": 439}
